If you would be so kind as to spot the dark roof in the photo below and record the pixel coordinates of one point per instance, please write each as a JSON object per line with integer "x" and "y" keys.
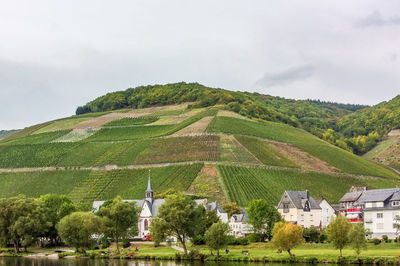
{"x": 377, "y": 195}
{"x": 299, "y": 197}
{"x": 396, "y": 196}
{"x": 353, "y": 194}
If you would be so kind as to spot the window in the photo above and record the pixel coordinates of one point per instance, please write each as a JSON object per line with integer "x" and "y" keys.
{"x": 395, "y": 203}
{"x": 373, "y": 204}
{"x": 285, "y": 207}
{"x": 146, "y": 225}
{"x": 379, "y": 215}
{"x": 379, "y": 226}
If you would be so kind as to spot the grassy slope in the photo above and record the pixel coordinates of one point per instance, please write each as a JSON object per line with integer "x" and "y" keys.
{"x": 335, "y": 156}
{"x": 245, "y": 184}
{"x": 379, "y": 148}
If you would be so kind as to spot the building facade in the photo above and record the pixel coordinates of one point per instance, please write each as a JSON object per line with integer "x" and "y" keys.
{"x": 349, "y": 205}
{"x": 300, "y": 208}
{"x": 381, "y": 212}
{"x": 327, "y": 212}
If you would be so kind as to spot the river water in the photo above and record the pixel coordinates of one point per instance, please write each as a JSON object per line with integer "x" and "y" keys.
{"x": 19, "y": 261}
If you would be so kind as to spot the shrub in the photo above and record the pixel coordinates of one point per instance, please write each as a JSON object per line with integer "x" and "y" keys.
{"x": 198, "y": 240}
{"x": 105, "y": 243}
{"x": 376, "y": 241}
{"x": 311, "y": 234}
{"x": 254, "y": 238}
{"x": 126, "y": 243}
{"x": 385, "y": 238}
{"x": 323, "y": 237}
{"x": 238, "y": 241}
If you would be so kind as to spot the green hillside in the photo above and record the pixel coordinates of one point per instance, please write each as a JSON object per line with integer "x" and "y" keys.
{"x": 208, "y": 151}
{"x": 5, "y": 133}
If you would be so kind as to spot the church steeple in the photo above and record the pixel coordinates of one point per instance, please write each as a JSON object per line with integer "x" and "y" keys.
{"x": 149, "y": 190}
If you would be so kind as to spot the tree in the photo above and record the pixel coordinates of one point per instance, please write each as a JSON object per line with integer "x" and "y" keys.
{"x": 231, "y": 208}
{"x": 178, "y": 216}
{"x": 55, "y": 207}
{"x": 77, "y": 228}
{"x": 261, "y": 214}
{"x": 286, "y": 236}
{"x": 217, "y": 236}
{"x": 357, "y": 238}
{"x": 120, "y": 219}
{"x": 338, "y": 232}
{"x": 22, "y": 220}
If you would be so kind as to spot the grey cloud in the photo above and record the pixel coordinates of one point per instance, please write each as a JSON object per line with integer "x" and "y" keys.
{"x": 286, "y": 76}
{"x": 376, "y": 19}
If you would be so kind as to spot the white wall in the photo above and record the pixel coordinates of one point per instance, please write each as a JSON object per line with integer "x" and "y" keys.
{"x": 381, "y": 226}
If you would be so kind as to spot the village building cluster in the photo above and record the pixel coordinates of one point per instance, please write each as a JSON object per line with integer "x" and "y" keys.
{"x": 378, "y": 210}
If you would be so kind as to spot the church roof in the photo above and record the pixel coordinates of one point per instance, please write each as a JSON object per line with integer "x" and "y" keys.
{"x": 149, "y": 188}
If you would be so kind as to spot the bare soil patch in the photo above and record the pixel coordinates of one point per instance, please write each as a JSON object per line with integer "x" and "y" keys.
{"x": 231, "y": 114}
{"x": 195, "y": 128}
{"x": 97, "y": 122}
{"x": 303, "y": 159}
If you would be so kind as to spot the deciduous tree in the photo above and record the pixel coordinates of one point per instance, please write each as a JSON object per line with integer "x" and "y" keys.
{"x": 338, "y": 232}
{"x": 77, "y": 229}
{"x": 357, "y": 238}
{"x": 287, "y": 236}
{"x": 22, "y": 220}
{"x": 217, "y": 236}
{"x": 263, "y": 216}
{"x": 55, "y": 207}
{"x": 231, "y": 208}
{"x": 120, "y": 219}
{"x": 178, "y": 216}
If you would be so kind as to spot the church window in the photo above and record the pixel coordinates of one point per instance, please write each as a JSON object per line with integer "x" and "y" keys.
{"x": 146, "y": 225}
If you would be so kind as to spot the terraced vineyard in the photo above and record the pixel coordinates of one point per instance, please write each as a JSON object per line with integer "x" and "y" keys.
{"x": 245, "y": 184}
{"x": 333, "y": 155}
{"x": 131, "y": 183}
{"x": 253, "y": 159}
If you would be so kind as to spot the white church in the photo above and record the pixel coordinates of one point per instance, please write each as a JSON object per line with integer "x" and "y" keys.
{"x": 149, "y": 209}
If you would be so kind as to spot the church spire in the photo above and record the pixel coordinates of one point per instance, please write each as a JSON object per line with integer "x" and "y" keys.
{"x": 149, "y": 190}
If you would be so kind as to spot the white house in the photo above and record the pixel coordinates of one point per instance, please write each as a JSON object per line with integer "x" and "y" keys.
{"x": 300, "y": 208}
{"x": 327, "y": 212}
{"x": 239, "y": 225}
{"x": 381, "y": 206}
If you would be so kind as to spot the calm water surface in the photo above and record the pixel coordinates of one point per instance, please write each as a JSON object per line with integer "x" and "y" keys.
{"x": 89, "y": 262}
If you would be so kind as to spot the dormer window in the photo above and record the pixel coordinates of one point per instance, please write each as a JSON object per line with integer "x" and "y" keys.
{"x": 396, "y": 203}
{"x": 307, "y": 206}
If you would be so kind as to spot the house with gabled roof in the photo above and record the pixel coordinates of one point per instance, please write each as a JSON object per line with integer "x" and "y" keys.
{"x": 349, "y": 205}
{"x": 327, "y": 212}
{"x": 239, "y": 224}
{"x": 380, "y": 209}
{"x": 300, "y": 208}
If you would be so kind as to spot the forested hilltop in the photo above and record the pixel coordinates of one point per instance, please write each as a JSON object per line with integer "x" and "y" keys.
{"x": 340, "y": 124}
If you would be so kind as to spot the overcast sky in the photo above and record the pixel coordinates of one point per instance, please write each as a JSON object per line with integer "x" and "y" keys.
{"x": 56, "y": 55}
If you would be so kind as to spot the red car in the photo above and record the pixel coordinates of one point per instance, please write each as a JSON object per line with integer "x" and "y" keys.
{"x": 146, "y": 238}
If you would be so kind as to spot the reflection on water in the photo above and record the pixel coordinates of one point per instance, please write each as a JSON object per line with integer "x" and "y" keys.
{"x": 88, "y": 262}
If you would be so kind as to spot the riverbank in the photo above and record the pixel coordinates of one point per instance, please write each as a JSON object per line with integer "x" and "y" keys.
{"x": 385, "y": 253}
